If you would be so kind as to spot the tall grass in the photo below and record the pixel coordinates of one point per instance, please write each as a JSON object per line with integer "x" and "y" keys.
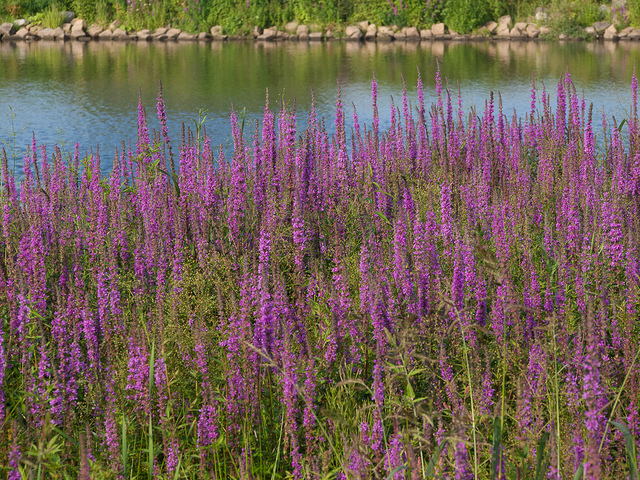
{"x": 455, "y": 297}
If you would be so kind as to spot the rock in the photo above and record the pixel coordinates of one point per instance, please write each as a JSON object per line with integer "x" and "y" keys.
{"x": 215, "y": 31}
{"x": 76, "y": 21}
{"x": 385, "y": 33}
{"x": 162, "y": 37}
{"x": 256, "y": 32}
{"x": 533, "y": 31}
{"x": 163, "y": 30}
{"x": 503, "y": 30}
{"x": 143, "y": 37}
{"x": 329, "y": 35}
{"x": 67, "y": 16}
{"x": 600, "y": 27}
{"x": 94, "y": 31}
{"x": 186, "y": 37}
{"x": 426, "y": 34}
{"x": 268, "y": 35}
{"x": 172, "y": 33}
{"x": 438, "y": 29}
{"x": 119, "y": 34}
{"x": 7, "y": 29}
{"x": 611, "y": 33}
{"x": 590, "y": 31}
{"x": 399, "y": 36}
{"x": 66, "y": 27}
{"x": 364, "y": 25}
{"x": 22, "y": 34}
{"x": 282, "y": 35}
{"x": 505, "y": 20}
{"x": 291, "y": 27}
{"x": 515, "y": 33}
{"x": 412, "y": 34}
{"x": 624, "y": 33}
{"x": 20, "y": 23}
{"x": 351, "y": 29}
{"x": 562, "y": 36}
{"x": 58, "y": 34}
{"x": 203, "y": 37}
{"x": 115, "y": 24}
{"x": 106, "y": 35}
{"x": 635, "y": 35}
{"x": 315, "y": 36}
{"x": 544, "y": 30}
{"x": 302, "y": 30}
{"x": 491, "y": 27}
{"x": 522, "y": 26}
{"x": 47, "y": 34}
{"x": 372, "y": 32}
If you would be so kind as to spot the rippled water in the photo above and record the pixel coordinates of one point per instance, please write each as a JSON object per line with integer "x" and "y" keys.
{"x": 88, "y": 93}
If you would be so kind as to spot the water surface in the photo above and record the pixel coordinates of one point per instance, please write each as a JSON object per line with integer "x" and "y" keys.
{"x": 88, "y": 92}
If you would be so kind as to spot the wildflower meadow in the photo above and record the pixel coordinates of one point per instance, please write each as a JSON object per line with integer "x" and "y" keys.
{"x": 455, "y": 297}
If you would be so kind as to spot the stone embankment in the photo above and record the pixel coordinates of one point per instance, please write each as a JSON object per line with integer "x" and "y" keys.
{"x": 77, "y": 29}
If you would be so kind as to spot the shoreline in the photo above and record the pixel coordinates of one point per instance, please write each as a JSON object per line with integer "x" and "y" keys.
{"x": 503, "y": 30}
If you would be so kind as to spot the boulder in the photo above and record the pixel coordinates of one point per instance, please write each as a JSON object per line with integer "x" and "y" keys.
{"x": 59, "y": 34}
{"x": 600, "y": 27}
{"x": 353, "y": 33}
{"x": 106, "y": 35}
{"x": 268, "y": 35}
{"x": 491, "y": 27}
{"x": 143, "y": 37}
{"x": 426, "y": 34}
{"x": 544, "y": 30}
{"x": 291, "y": 27}
{"x": 590, "y": 31}
{"x": 315, "y": 36}
{"x": 76, "y": 21}
{"x": 204, "y": 37}
{"x": 302, "y": 30}
{"x": 22, "y": 34}
{"x": 256, "y": 32}
{"x": 282, "y": 35}
{"x": 364, "y": 25}
{"x": 215, "y": 31}
{"x": 438, "y": 29}
{"x": 503, "y": 30}
{"x": 163, "y": 30}
{"x": 67, "y": 16}
{"x": 624, "y": 33}
{"x": 635, "y": 35}
{"x": 532, "y": 31}
{"x": 172, "y": 33}
{"x": 47, "y": 34}
{"x": 385, "y": 33}
{"x": 412, "y": 34}
{"x": 186, "y": 37}
{"x": 66, "y": 27}
{"x": 372, "y": 32}
{"x": 399, "y": 36}
{"x": 21, "y": 22}
{"x": 515, "y": 32}
{"x": 115, "y": 24}
{"x": 7, "y": 29}
{"x": 505, "y": 20}
{"x": 120, "y": 34}
{"x": 94, "y": 31}
{"x": 611, "y": 33}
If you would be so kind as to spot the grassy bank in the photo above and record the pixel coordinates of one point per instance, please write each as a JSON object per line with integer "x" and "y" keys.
{"x": 456, "y": 296}
{"x": 240, "y": 16}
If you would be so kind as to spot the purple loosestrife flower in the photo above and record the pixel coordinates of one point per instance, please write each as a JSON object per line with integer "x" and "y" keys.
{"x": 142, "y": 145}
{"x": 15, "y": 455}
{"x": 138, "y": 377}
{"x": 162, "y": 117}
{"x": 374, "y": 104}
{"x": 395, "y": 457}
{"x": 462, "y": 467}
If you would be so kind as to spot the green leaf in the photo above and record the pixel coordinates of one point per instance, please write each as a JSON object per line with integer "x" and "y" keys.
{"x": 579, "y": 473}
{"x": 434, "y": 459}
{"x": 497, "y": 448}
{"x": 410, "y": 393}
{"x": 630, "y": 446}
{"x": 394, "y": 471}
{"x": 540, "y": 469}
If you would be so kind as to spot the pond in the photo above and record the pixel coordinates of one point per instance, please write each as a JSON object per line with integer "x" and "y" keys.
{"x": 88, "y": 92}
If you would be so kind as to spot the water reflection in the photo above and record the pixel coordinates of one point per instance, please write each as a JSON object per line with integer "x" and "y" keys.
{"x": 88, "y": 92}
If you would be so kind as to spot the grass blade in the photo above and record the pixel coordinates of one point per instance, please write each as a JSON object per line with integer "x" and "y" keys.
{"x": 540, "y": 469}
{"x": 630, "y": 446}
{"x": 152, "y": 362}
{"x": 394, "y": 471}
{"x": 434, "y": 459}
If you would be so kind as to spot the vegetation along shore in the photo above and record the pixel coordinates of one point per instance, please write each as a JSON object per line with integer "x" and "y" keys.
{"x": 306, "y": 20}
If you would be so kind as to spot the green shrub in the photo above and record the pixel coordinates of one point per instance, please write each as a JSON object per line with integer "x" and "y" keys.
{"x": 464, "y": 16}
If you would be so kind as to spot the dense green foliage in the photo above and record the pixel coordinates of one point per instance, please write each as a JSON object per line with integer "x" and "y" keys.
{"x": 240, "y": 16}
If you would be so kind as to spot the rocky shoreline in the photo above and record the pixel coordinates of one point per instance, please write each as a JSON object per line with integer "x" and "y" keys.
{"x": 504, "y": 29}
